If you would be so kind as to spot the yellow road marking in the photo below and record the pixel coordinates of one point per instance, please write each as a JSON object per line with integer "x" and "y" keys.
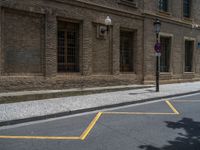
{"x": 41, "y": 137}
{"x": 172, "y": 107}
{"x": 91, "y": 125}
{"x": 186, "y": 100}
{"x": 82, "y": 137}
{"x": 138, "y": 113}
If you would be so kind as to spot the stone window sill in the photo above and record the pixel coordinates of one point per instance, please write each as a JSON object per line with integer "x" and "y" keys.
{"x": 165, "y": 73}
{"x": 164, "y": 13}
{"x": 68, "y": 74}
{"x": 187, "y": 19}
{"x": 122, "y": 73}
{"x": 189, "y": 73}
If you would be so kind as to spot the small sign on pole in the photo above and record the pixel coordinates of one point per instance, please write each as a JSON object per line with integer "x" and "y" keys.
{"x": 157, "y": 47}
{"x": 158, "y": 54}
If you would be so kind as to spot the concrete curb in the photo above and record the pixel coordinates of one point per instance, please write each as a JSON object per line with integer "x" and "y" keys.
{"x": 49, "y": 95}
{"x": 37, "y": 118}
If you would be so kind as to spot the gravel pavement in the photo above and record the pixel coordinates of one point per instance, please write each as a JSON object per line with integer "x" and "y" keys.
{"x": 31, "y": 109}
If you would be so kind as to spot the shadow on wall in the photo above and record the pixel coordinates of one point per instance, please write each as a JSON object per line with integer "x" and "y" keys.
{"x": 188, "y": 141}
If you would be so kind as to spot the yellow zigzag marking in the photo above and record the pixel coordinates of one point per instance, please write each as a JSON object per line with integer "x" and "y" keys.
{"x": 91, "y": 125}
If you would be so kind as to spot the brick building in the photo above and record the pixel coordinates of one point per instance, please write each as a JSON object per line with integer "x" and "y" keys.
{"x": 52, "y": 44}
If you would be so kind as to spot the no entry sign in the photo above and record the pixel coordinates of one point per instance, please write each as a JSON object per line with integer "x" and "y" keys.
{"x": 157, "y": 47}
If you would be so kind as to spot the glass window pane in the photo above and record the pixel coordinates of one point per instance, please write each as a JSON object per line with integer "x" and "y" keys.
{"x": 163, "y": 5}
{"x": 126, "y": 51}
{"x": 186, "y": 8}
{"x": 189, "y": 46}
{"x": 165, "y": 54}
{"x": 68, "y": 47}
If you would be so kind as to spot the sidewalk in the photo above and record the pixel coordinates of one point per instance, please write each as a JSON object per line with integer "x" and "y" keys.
{"x": 35, "y": 110}
{"x": 12, "y": 97}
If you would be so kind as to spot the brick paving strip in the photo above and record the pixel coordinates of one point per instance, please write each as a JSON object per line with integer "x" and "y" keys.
{"x": 13, "y": 113}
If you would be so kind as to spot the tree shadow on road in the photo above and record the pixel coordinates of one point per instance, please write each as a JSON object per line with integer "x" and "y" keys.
{"x": 188, "y": 141}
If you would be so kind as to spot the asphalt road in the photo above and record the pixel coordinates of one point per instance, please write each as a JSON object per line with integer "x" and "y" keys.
{"x": 160, "y": 125}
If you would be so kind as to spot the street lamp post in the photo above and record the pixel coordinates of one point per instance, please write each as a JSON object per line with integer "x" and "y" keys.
{"x": 106, "y": 28}
{"x": 157, "y": 26}
{"x": 108, "y": 23}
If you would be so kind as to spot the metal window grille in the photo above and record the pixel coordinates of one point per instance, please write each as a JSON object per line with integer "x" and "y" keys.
{"x": 68, "y": 47}
{"x": 163, "y": 5}
{"x": 189, "y": 46}
{"x": 126, "y": 51}
{"x": 165, "y": 54}
{"x": 186, "y": 8}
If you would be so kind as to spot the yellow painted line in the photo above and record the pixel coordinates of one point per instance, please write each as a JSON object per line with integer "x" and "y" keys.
{"x": 186, "y": 100}
{"x": 41, "y": 137}
{"x": 137, "y": 113}
{"x": 172, "y": 107}
{"x": 90, "y": 126}
{"x": 82, "y": 137}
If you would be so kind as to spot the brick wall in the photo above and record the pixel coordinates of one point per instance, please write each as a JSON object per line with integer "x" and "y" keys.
{"x": 23, "y": 42}
{"x": 177, "y": 27}
{"x": 99, "y": 58}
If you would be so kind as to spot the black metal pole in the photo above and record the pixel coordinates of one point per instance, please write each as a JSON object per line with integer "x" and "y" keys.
{"x": 157, "y": 68}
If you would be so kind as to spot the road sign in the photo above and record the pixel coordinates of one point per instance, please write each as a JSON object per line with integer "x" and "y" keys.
{"x": 158, "y": 54}
{"x": 157, "y": 47}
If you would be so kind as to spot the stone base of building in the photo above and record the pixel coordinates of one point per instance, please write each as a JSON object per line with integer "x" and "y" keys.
{"x": 28, "y": 83}
{"x": 166, "y": 78}
{"x": 64, "y": 82}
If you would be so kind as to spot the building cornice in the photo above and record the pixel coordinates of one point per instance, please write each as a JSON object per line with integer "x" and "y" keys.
{"x": 168, "y": 18}
{"x": 119, "y": 12}
{"x": 101, "y": 8}
{"x": 116, "y": 11}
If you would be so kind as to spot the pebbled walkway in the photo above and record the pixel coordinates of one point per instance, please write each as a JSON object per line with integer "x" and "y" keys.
{"x": 77, "y": 104}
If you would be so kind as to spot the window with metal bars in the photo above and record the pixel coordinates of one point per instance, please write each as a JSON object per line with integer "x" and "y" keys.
{"x": 163, "y": 5}
{"x": 68, "y": 47}
{"x": 189, "y": 47}
{"x": 126, "y": 51}
{"x": 186, "y": 8}
{"x": 165, "y": 54}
